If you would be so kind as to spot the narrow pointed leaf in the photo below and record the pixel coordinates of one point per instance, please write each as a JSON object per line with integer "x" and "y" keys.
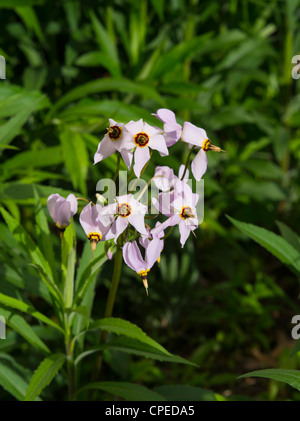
{"x": 134, "y": 347}
{"x": 128, "y": 391}
{"x": 12, "y": 382}
{"x": 291, "y": 377}
{"x": 17, "y": 323}
{"x": 275, "y": 244}
{"x": 44, "y": 374}
{"x": 19, "y": 305}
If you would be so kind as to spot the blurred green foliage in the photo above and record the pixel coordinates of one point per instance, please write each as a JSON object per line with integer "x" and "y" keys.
{"x": 223, "y": 302}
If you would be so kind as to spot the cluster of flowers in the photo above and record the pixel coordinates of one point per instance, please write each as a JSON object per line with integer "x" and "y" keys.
{"x": 176, "y": 200}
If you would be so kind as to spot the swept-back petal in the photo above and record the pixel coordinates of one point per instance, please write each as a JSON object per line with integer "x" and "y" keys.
{"x": 133, "y": 257}
{"x": 153, "y": 252}
{"x": 141, "y": 157}
{"x": 185, "y": 231}
{"x": 73, "y": 202}
{"x": 127, "y": 157}
{"x": 137, "y": 220}
{"x": 158, "y": 142}
{"x": 106, "y": 148}
{"x": 120, "y": 226}
{"x": 199, "y": 164}
{"x": 193, "y": 134}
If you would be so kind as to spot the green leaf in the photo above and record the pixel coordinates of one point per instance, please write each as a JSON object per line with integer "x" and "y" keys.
{"x": 291, "y": 377}
{"x": 263, "y": 168}
{"x": 86, "y": 276}
{"x": 68, "y": 263}
{"x": 108, "y": 85}
{"x": 128, "y": 391}
{"x": 109, "y": 109}
{"x": 12, "y": 382}
{"x": 24, "y": 193}
{"x": 187, "y": 393}
{"x": 12, "y": 127}
{"x": 14, "y": 99}
{"x": 44, "y": 374}
{"x": 123, "y": 327}
{"x": 34, "y": 252}
{"x": 275, "y": 244}
{"x": 107, "y": 45}
{"x": 132, "y": 346}
{"x": 95, "y": 59}
{"x": 289, "y": 235}
{"x": 39, "y": 158}
{"x": 76, "y": 158}
{"x": 296, "y": 348}
{"x": 44, "y": 236}
{"x": 19, "y": 3}
{"x": 20, "y": 276}
{"x": 185, "y": 50}
{"x": 19, "y": 305}
{"x": 159, "y": 6}
{"x": 17, "y": 323}
{"x": 82, "y": 319}
{"x": 30, "y": 19}
{"x": 260, "y": 191}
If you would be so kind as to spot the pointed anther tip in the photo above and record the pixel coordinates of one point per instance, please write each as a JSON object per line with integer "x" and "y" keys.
{"x": 145, "y": 282}
{"x": 215, "y": 148}
{"x": 93, "y": 247}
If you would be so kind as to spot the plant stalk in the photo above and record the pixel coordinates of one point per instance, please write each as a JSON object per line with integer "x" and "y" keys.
{"x": 109, "y": 306}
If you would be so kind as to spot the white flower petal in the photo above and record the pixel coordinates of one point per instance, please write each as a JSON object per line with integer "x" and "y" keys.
{"x": 193, "y": 134}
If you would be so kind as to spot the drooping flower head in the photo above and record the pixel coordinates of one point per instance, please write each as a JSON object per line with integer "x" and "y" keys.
{"x": 126, "y": 210}
{"x": 143, "y": 137}
{"x": 116, "y": 139}
{"x": 95, "y": 224}
{"x": 172, "y": 130}
{"x": 133, "y": 258}
{"x": 61, "y": 209}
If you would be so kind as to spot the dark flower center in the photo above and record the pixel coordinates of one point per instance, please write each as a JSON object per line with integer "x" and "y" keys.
{"x": 94, "y": 236}
{"x": 124, "y": 210}
{"x": 206, "y": 145}
{"x": 141, "y": 139}
{"x": 187, "y": 212}
{"x": 114, "y": 132}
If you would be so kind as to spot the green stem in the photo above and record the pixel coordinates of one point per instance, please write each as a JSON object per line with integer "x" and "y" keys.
{"x": 109, "y": 306}
{"x": 168, "y": 233}
{"x": 70, "y": 361}
{"x": 187, "y": 162}
{"x": 114, "y": 283}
